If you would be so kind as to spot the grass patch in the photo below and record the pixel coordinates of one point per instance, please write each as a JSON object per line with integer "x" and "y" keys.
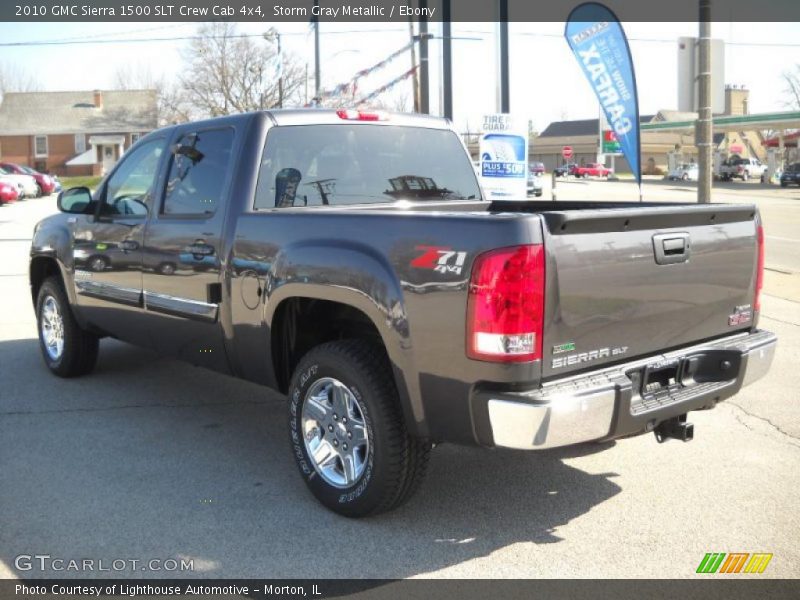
{"x": 71, "y": 182}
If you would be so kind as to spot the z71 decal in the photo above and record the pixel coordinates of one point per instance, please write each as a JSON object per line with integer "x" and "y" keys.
{"x": 440, "y": 259}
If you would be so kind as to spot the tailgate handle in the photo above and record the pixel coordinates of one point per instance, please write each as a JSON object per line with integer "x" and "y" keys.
{"x": 674, "y": 246}
{"x": 671, "y": 248}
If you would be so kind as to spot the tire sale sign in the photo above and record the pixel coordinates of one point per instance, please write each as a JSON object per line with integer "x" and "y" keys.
{"x": 504, "y": 157}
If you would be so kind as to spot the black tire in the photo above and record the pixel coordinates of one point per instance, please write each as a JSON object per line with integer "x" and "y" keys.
{"x": 784, "y": 184}
{"x": 396, "y": 462}
{"x": 39, "y": 191}
{"x": 79, "y": 354}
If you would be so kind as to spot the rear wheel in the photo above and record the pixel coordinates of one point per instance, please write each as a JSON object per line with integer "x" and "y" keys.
{"x": 68, "y": 350}
{"x": 39, "y": 191}
{"x": 347, "y": 431}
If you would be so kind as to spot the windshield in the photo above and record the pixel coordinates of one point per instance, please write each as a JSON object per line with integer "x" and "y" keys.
{"x": 318, "y": 165}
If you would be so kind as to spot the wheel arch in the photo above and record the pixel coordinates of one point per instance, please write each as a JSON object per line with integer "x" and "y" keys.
{"x": 301, "y": 317}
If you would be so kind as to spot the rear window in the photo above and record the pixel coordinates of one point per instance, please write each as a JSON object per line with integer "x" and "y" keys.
{"x": 319, "y": 165}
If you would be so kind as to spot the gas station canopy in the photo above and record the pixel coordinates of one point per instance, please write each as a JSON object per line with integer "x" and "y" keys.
{"x": 773, "y": 121}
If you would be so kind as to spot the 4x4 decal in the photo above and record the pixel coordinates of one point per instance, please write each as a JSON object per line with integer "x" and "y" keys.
{"x": 441, "y": 259}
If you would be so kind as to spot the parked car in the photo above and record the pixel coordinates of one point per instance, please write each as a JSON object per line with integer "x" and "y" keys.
{"x": 44, "y": 182}
{"x": 8, "y": 192}
{"x": 684, "y": 172}
{"x": 28, "y": 185}
{"x": 537, "y": 168}
{"x": 394, "y": 322}
{"x": 591, "y": 170}
{"x": 791, "y": 175}
{"x": 564, "y": 170}
{"x": 57, "y": 187}
{"x": 534, "y": 184}
{"x": 742, "y": 168}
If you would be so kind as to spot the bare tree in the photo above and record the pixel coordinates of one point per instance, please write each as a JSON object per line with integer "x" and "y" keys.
{"x": 227, "y": 73}
{"x": 15, "y": 79}
{"x": 792, "y": 90}
{"x": 171, "y": 99}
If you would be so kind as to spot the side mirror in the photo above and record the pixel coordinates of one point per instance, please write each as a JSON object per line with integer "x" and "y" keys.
{"x": 75, "y": 200}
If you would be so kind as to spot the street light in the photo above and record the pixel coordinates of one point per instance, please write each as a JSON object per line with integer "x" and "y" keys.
{"x": 271, "y": 35}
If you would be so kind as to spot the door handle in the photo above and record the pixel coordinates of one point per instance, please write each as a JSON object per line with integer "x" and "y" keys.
{"x": 200, "y": 249}
{"x": 671, "y": 248}
{"x": 674, "y": 246}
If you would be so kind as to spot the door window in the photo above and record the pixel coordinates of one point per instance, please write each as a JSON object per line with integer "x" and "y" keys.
{"x": 130, "y": 188}
{"x": 200, "y": 164}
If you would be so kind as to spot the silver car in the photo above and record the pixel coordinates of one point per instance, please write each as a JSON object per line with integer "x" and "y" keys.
{"x": 684, "y": 172}
{"x": 534, "y": 184}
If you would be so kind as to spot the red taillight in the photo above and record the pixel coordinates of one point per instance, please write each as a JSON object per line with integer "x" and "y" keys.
{"x": 505, "y": 307}
{"x": 360, "y": 115}
{"x": 759, "y": 268}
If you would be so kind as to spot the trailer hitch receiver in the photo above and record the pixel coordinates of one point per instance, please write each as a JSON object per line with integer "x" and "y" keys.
{"x": 676, "y": 428}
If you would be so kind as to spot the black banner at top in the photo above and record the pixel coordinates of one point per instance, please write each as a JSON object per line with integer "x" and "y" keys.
{"x": 353, "y": 11}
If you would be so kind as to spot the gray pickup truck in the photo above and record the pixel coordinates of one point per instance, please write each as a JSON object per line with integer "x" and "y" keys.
{"x": 349, "y": 260}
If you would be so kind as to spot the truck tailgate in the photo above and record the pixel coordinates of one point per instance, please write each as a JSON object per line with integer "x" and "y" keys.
{"x": 637, "y": 280}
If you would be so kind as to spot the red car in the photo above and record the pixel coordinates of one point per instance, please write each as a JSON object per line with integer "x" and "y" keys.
{"x": 46, "y": 183}
{"x": 591, "y": 170}
{"x": 8, "y": 192}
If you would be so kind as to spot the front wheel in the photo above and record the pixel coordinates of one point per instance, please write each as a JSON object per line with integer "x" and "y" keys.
{"x": 68, "y": 350}
{"x": 347, "y": 432}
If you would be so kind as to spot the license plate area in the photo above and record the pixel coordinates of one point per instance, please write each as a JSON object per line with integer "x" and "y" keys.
{"x": 674, "y": 380}
{"x": 660, "y": 378}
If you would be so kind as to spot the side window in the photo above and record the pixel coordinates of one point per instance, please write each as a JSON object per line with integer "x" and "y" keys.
{"x": 130, "y": 188}
{"x": 199, "y": 169}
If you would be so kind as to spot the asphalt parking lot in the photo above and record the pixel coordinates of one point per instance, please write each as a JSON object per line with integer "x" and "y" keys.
{"x": 152, "y": 458}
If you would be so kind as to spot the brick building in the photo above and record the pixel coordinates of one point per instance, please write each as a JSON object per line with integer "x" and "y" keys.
{"x": 73, "y": 133}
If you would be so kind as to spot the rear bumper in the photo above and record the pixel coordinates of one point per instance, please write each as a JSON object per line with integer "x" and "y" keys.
{"x": 607, "y": 404}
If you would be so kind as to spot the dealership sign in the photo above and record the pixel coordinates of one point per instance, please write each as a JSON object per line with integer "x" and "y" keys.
{"x": 504, "y": 157}
{"x": 596, "y": 38}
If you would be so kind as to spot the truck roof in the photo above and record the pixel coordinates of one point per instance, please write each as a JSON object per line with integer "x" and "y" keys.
{"x": 316, "y": 116}
{"x": 322, "y": 116}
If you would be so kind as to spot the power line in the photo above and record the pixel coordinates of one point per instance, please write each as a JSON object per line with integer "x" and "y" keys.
{"x": 71, "y": 42}
{"x": 86, "y": 40}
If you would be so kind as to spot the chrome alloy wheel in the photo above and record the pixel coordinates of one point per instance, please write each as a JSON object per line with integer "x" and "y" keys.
{"x": 334, "y": 432}
{"x": 52, "y": 328}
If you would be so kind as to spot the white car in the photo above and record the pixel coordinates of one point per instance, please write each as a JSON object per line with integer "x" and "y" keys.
{"x": 684, "y": 172}
{"x": 14, "y": 182}
{"x": 26, "y": 183}
{"x": 534, "y": 184}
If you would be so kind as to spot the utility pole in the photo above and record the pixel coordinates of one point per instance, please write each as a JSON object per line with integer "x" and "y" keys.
{"x": 415, "y": 74}
{"x": 274, "y": 34}
{"x": 704, "y": 128}
{"x": 424, "y": 81}
{"x": 447, "y": 61}
{"x": 317, "y": 85}
{"x": 505, "y": 91}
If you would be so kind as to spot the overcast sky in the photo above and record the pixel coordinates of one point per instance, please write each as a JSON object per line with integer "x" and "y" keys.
{"x": 546, "y": 83}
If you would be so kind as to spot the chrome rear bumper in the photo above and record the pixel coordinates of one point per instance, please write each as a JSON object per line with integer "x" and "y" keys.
{"x": 603, "y": 404}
